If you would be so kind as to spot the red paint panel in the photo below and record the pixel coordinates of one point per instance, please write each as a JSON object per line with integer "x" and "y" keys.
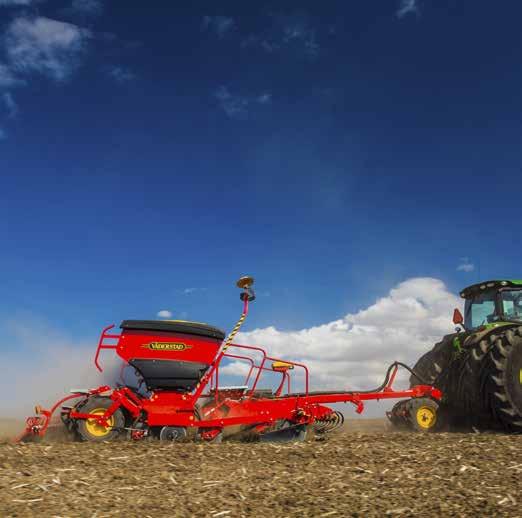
{"x": 162, "y": 345}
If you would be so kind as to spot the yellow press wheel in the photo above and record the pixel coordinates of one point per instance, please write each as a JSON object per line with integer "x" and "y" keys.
{"x": 95, "y": 428}
{"x": 91, "y": 429}
{"x": 424, "y": 415}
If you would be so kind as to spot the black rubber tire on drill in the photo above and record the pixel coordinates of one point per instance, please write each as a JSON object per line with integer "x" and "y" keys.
{"x": 85, "y": 427}
{"x": 502, "y": 377}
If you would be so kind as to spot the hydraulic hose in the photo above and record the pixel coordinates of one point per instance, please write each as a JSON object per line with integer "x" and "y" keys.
{"x": 387, "y": 378}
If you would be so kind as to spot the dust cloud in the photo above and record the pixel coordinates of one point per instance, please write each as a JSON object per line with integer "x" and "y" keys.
{"x": 42, "y": 364}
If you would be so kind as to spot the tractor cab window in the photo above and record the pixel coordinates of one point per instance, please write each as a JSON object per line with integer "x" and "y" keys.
{"x": 512, "y": 304}
{"x": 480, "y": 310}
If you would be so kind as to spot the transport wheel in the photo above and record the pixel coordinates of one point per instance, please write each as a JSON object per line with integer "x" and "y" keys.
{"x": 173, "y": 433}
{"x": 90, "y": 430}
{"x": 424, "y": 415}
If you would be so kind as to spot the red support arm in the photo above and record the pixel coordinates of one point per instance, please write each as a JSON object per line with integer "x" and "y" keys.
{"x": 101, "y": 345}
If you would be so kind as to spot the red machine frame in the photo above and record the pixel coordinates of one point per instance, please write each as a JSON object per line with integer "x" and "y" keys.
{"x": 230, "y": 406}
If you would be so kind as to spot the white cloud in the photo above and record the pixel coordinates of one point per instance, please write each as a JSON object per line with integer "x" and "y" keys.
{"x": 87, "y": 7}
{"x": 265, "y": 98}
{"x": 408, "y": 7}
{"x": 188, "y": 291}
{"x": 220, "y": 25}
{"x": 237, "y": 106}
{"x": 121, "y": 74}
{"x": 10, "y": 104}
{"x": 164, "y": 313}
{"x": 235, "y": 368}
{"x": 465, "y": 265}
{"x": 298, "y": 29}
{"x": 354, "y": 351}
{"x": 7, "y": 78}
{"x": 9, "y": 3}
{"x": 293, "y": 32}
{"x": 45, "y": 46}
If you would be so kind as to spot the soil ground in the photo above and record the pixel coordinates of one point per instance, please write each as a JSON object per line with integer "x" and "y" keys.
{"x": 360, "y": 471}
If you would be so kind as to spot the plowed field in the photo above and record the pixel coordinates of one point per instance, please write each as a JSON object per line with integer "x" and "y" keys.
{"x": 353, "y": 473}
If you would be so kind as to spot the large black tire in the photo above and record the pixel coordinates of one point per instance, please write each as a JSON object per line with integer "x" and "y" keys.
{"x": 431, "y": 364}
{"x": 502, "y": 377}
{"x": 88, "y": 430}
{"x": 481, "y": 382}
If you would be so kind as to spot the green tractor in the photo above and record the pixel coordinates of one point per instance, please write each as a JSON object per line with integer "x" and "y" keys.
{"x": 478, "y": 368}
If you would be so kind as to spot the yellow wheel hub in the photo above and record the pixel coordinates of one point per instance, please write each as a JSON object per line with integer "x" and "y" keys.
{"x": 426, "y": 417}
{"x": 96, "y": 429}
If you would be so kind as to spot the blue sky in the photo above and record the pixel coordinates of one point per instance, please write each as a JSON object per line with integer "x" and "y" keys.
{"x": 150, "y": 156}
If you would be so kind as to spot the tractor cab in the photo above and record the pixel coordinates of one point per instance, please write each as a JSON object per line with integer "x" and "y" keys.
{"x": 492, "y": 302}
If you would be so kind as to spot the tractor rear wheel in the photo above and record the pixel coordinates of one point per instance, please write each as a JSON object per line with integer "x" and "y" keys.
{"x": 430, "y": 365}
{"x": 503, "y": 369}
{"x": 90, "y": 429}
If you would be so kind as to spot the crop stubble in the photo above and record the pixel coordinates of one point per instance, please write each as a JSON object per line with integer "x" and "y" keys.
{"x": 353, "y": 473}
